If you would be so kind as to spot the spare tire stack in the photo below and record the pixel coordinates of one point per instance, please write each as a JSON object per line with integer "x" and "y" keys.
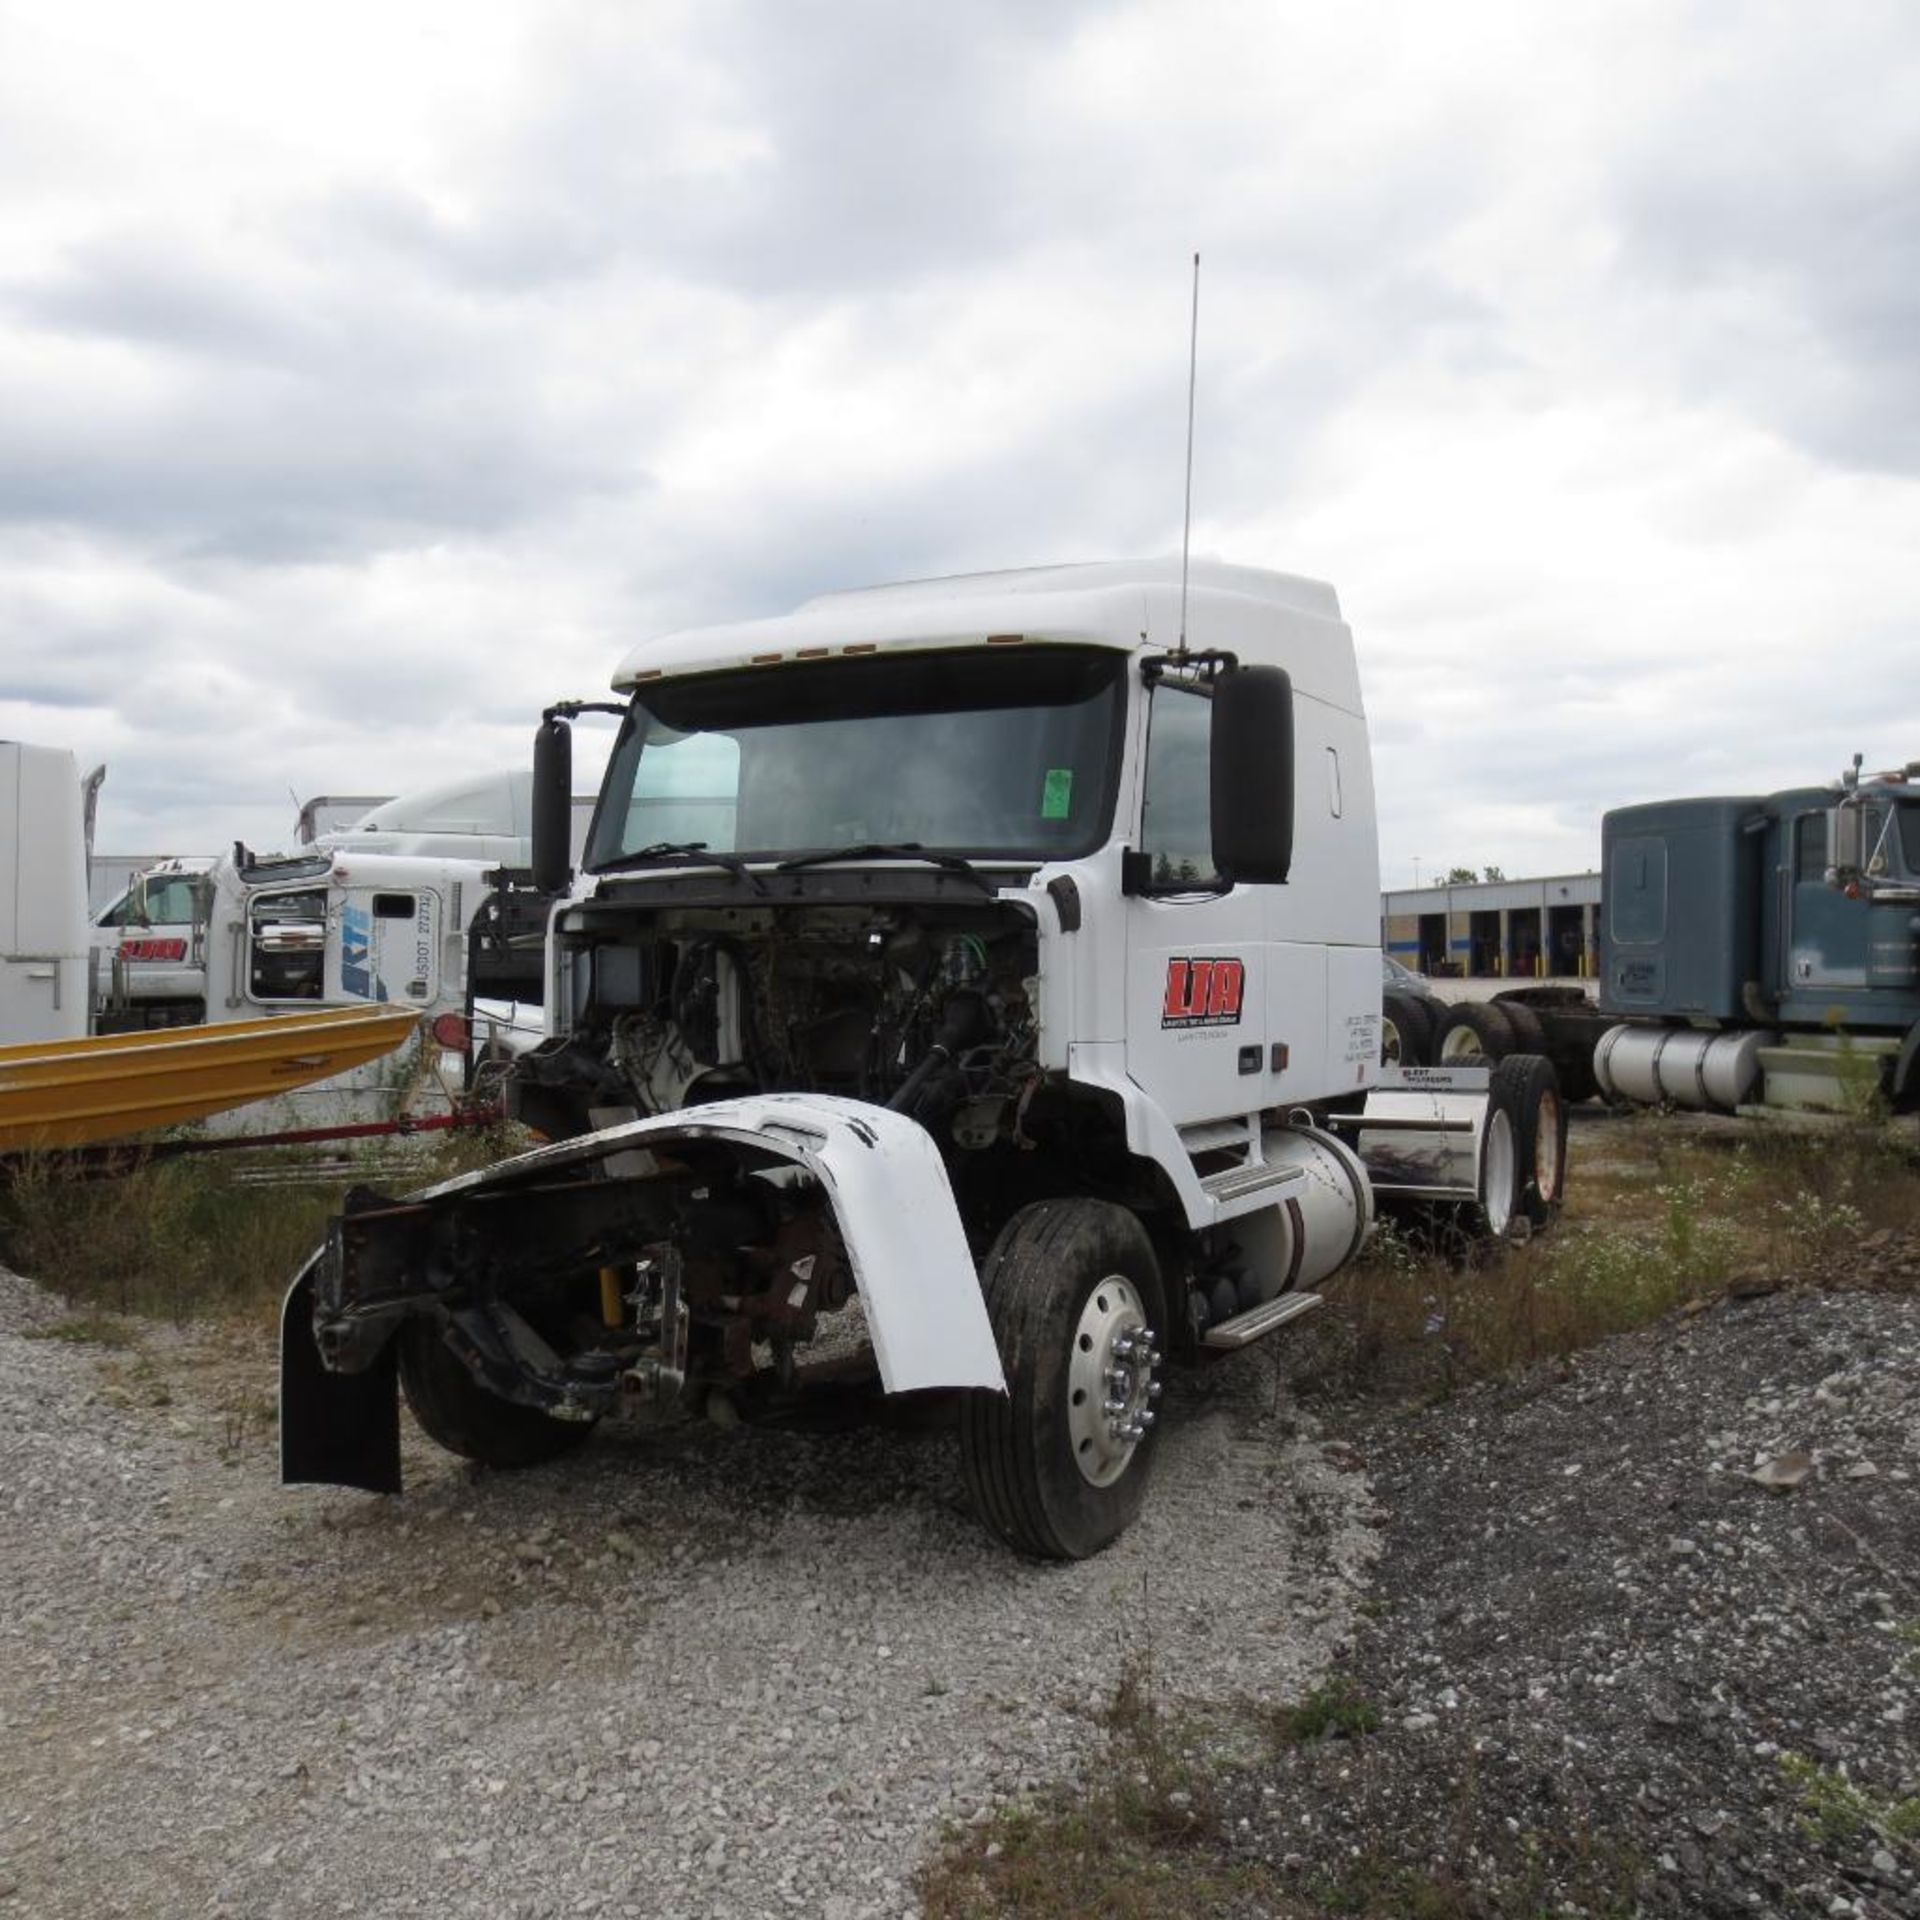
{"x": 1477, "y": 1033}
{"x": 1406, "y": 1030}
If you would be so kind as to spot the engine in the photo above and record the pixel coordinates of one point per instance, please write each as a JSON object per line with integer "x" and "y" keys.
{"x": 928, "y": 1010}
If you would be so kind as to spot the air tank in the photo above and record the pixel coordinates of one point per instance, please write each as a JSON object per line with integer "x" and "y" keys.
{"x": 1679, "y": 1066}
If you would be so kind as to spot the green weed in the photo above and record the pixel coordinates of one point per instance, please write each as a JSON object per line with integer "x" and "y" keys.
{"x": 1835, "y": 1809}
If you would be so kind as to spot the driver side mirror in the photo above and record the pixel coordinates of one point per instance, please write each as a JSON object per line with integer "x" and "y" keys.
{"x": 1251, "y": 776}
{"x": 552, "y": 805}
{"x": 1846, "y": 839}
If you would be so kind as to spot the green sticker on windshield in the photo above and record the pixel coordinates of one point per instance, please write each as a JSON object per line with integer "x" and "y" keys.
{"x": 1056, "y": 796}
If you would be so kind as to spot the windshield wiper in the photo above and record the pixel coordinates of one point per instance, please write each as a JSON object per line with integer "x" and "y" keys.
{"x": 684, "y": 853}
{"x": 894, "y": 850}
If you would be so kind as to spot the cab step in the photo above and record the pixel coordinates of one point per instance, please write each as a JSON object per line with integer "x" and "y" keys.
{"x": 1235, "y": 1183}
{"x": 1245, "y": 1328}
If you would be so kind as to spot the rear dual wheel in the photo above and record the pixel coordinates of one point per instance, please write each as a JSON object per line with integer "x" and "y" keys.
{"x": 1057, "y": 1466}
{"x": 1523, "y": 1160}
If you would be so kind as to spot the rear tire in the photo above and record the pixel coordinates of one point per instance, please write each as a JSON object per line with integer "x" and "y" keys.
{"x": 1474, "y": 1034}
{"x": 455, "y": 1411}
{"x": 1497, "y": 1204}
{"x": 1406, "y": 1031}
{"x": 1530, "y": 1084}
{"x": 1073, "y": 1290}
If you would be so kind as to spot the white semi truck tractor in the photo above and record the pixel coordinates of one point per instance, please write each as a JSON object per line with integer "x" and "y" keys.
{"x": 980, "y": 975}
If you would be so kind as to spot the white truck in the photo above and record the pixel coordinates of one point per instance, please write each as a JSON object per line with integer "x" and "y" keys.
{"x": 981, "y": 958}
{"x": 155, "y": 938}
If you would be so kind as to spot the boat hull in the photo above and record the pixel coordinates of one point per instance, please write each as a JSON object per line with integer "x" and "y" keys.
{"x": 75, "y": 1093}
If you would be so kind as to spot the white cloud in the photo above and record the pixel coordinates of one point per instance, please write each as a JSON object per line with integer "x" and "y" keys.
{"x": 369, "y": 380}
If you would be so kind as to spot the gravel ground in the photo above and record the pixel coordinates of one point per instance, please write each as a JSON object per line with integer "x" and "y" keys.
{"x": 692, "y": 1673}
{"x": 1612, "y": 1667}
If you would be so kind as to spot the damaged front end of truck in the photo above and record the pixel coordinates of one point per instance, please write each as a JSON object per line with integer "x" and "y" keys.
{"x": 634, "y": 1268}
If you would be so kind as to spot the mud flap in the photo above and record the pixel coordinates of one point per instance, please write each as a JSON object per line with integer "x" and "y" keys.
{"x": 336, "y": 1429}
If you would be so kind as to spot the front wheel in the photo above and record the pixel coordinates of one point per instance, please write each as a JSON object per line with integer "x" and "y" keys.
{"x": 454, "y": 1409}
{"x": 1057, "y": 1466}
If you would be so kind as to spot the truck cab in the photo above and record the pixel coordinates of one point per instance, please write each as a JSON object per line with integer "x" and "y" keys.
{"x": 998, "y": 953}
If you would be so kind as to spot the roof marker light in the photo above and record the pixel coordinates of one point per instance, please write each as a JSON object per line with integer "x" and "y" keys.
{"x": 1005, "y": 639}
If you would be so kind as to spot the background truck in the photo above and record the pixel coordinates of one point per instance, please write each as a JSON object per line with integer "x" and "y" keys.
{"x": 1761, "y": 950}
{"x": 45, "y": 808}
{"x": 977, "y": 982}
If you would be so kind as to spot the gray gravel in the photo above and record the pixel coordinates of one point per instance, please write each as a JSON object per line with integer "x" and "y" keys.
{"x": 1646, "y": 1631}
{"x": 692, "y": 1673}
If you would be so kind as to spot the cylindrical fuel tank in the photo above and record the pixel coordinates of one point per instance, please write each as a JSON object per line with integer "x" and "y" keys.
{"x": 1678, "y": 1065}
{"x": 1315, "y": 1226}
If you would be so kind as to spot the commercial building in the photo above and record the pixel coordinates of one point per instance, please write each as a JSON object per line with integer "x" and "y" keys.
{"x": 1497, "y": 929}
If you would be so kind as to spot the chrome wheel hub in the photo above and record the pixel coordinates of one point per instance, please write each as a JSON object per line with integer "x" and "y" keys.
{"x": 1112, "y": 1381}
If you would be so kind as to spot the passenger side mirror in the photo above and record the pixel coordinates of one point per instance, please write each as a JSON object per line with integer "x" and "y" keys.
{"x": 1251, "y": 776}
{"x": 552, "y": 805}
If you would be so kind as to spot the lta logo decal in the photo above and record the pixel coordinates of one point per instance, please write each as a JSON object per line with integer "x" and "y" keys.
{"x": 1203, "y": 993}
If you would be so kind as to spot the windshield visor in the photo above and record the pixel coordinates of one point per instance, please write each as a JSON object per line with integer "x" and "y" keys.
{"x": 984, "y": 753}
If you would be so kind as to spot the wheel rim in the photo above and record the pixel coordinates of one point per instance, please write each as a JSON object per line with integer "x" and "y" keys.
{"x": 1390, "y": 1044}
{"x": 1546, "y": 1148}
{"x": 1111, "y": 1381}
{"x": 1460, "y": 1046}
{"x": 1497, "y": 1164}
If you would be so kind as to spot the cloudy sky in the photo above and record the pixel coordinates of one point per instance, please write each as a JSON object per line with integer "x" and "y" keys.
{"x": 371, "y": 374}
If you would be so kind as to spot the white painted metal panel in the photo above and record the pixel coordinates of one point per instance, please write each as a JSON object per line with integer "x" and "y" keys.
{"x": 887, "y": 1185}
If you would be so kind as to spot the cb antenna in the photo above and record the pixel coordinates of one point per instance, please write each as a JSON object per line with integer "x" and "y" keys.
{"x": 1186, "y": 528}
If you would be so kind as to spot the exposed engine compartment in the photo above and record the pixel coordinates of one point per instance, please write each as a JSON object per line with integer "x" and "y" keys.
{"x": 925, "y": 1008}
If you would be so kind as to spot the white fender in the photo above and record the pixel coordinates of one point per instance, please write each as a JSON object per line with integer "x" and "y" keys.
{"x": 887, "y": 1185}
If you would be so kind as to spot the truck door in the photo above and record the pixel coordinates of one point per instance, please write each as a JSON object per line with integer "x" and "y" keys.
{"x": 1197, "y": 989}
{"x": 387, "y": 946}
{"x": 1826, "y": 932}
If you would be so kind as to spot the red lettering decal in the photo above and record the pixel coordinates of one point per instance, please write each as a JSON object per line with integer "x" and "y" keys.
{"x": 1202, "y": 988}
{"x": 1227, "y": 987}
{"x": 1175, "y": 1005}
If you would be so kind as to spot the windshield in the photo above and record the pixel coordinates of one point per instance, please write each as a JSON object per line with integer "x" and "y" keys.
{"x": 979, "y": 753}
{"x": 1910, "y": 836}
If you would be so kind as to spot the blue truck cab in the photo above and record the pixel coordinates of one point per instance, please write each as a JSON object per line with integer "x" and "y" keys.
{"x": 1793, "y": 917}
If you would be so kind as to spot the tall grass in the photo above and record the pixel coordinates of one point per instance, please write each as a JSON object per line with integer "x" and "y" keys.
{"x": 193, "y": 1238}
{"x": 170, "y": 1239}
{"x": 1668, "y": 1215}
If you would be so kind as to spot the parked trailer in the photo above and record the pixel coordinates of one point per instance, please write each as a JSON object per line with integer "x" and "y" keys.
{"x": 44, "y": 966}
{"x": 986, "y": 952}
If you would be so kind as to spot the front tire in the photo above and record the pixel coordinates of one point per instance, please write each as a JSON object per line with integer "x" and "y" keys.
{"x": 457, "y": 1412}
{"x": 1058, "y": 1465}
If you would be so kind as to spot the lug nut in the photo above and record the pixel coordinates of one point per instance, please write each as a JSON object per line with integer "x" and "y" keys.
{"x": 1144, "y": 1418}
{"x": 1122, "y": 1346}
{"x": 1153, "y": 1389}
